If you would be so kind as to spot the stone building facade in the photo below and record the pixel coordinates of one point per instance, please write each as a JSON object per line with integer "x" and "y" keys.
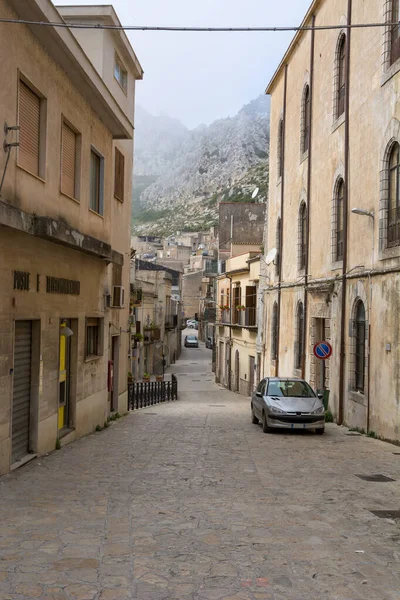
{"x": 334, "y": 212}
{"x": 65, "y": 204}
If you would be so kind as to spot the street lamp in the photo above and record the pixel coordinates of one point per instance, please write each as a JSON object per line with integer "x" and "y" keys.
{"x": 363, "y": 212}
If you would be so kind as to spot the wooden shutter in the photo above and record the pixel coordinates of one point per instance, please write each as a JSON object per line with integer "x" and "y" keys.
{"x": 29, "y": 134}
{"x": 94, "y": 182}
{"x": 119, "y": 175}
{"x": 68, "y": 161}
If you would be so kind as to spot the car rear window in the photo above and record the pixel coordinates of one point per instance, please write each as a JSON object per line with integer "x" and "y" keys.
{"x": 191, "y": 338}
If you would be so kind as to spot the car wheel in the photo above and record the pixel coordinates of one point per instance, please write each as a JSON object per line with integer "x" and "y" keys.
{"x": 266, "y": 429}
{"x": 254, "y": 419}
{"x": 320, "y": 431}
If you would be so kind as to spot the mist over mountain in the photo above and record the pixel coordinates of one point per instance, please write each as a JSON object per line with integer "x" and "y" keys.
{"x": 180, "y": 175}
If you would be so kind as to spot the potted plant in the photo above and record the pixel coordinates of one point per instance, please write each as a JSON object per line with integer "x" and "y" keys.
{"x": 137, "y": 338}
{"x": 226, "y": 307}
{"x": 131, "y": 378}
{"x": 159, "y": 377}
{"x": 240, "y": 307}
{"x": 146, "y": 377}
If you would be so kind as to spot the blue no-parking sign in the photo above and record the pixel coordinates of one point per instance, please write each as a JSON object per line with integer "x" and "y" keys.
{"x": 323, "y": 350}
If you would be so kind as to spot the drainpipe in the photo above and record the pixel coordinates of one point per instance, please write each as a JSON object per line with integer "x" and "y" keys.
{"x": 309, "y": 169}
{"x": 342, "y": 381}
{"x": 278, "y": 336}
{"x": 230, "y": 335}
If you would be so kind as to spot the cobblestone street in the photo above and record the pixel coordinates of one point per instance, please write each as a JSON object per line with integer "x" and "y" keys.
{"x": 189, "y": 500}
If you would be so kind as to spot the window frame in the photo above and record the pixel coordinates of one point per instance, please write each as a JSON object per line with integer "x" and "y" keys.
{"x": 341, "y": 74}
{"x": 360, "y": 333}
{"x": 339, "y": 232}
{"x": 274, "y": 332}
{"x": 122, "y": 73}
{"x": 306, "y": 119}
{"x": 394, "y": 31}
{"x": 280, "y": 149}
{"x": 302, "y": 244}
{"x": 299, "y": 344}
{"x": 42, "y": 128}
{"x": 278, "y": 240}
{"x": 119, "y": 175}
{"x": 78, "y": 146}
{"x": 100, "y": 199}
{"x": 393, "y": 224}
{"x": 92, "y": 322}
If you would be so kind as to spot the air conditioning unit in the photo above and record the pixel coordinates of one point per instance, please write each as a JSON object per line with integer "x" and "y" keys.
{"x": 107, "y": 301}
{"x": 118, "y": 296}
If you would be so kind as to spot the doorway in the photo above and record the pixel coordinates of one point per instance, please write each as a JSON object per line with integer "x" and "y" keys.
{"x": 115, "y": 371}
{"x": 64, "y": 379}
{"x": 320, "y": 370}
{"x": 221, "y": 362}
{"x": 22, "y": 385}
{"x": 251, "y": 374}
{"x": 237, "y": 371}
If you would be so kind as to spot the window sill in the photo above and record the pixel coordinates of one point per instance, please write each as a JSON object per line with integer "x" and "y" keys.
{"x": 357, "y": 397}
{"x": 304, "y": 156}
{"x": 30, "y": 173}
{"x": 70, "y": 197}
{"x": 96, "y": 213}
{"x": 390, "y": 252}
{"x": 119, "y": 199}
{"x": 391, "y": 72}
{"x": 338, "y": 122}
{"x": 93, "y": 358}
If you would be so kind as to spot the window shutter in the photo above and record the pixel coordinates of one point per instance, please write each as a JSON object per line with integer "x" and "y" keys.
{"x": 29, "y": 134}
{"x": 68, "y": 161}
{"x": 119, "y": 175}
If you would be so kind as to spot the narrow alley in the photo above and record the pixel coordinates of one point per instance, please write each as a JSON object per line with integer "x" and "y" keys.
{"x": 189, "y": 500}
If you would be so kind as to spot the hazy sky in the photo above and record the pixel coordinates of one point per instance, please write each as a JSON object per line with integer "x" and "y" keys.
{"x": 199, "y": 77}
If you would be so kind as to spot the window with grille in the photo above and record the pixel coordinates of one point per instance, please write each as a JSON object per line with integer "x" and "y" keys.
{"x": 302, "y": 236}
{"x": 340, "y": 220}
{"x": 94, "y": 337}
{"x": 96, "y": 182}
{"x": 360, "y": 335}
{"x": 395, "y": 31}
{"x": 341, "y": 99}
{"x": 299, "y": 344}
{"x": 274, "y": 332}
{"x": 29, "y": 107}
{"x": 120, "y": 73}
{"x": 69, "y": 148}
{"x": 280, "y": 149}
{"x": 119, "y": 175}
{"x": 394, "y": 197}
{"x": 305, "y": 142}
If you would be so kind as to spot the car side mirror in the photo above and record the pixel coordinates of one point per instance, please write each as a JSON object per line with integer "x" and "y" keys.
{"x": 320, "y": 396}
{"x": 259, "y": 394}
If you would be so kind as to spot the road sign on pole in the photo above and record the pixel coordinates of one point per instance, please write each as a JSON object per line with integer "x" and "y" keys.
{"x": 323, "y": 350}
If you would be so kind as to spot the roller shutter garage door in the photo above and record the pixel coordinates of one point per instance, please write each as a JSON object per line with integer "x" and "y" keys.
{"x": 21, "y": 390}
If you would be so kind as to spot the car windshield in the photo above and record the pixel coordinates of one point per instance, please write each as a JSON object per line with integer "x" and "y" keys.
{"x": 285, "y": 388}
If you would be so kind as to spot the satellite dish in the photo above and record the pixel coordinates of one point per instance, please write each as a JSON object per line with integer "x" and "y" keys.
{"x": 255, "y": 193}
{"x": 271, "y": 256}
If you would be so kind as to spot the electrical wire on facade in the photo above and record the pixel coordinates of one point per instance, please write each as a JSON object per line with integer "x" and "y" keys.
{"x": 270, "y": 29}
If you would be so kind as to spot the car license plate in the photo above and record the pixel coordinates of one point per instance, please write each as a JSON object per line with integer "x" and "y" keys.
{"x": 298, "y": 426}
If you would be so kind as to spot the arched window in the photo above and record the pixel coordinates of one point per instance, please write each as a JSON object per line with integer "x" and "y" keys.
{"x": 274, "y": 332}
{"x": 280, "y": 149}
{"x": 339, "y": 219}
{"x": 278, "y": 247}
{"x": 302, "y": 235}
{"x": 395, "y": 31}
{"x": 360, "y": 331}
{"x": 299, "y": 345}
{"x": 306, "y": 117}
{"x": 341, "y": 74}
{"x": 394, "y": 197}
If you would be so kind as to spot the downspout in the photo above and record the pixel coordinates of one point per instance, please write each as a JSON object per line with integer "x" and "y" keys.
{"x": 342, "y": 381}
{"x": 278, "y": 335}
{"x": 230, "y": 335}
{"x": 309, "y": 170}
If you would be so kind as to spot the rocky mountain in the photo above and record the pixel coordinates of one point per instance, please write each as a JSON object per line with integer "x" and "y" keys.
{"x": 181, "y": 175}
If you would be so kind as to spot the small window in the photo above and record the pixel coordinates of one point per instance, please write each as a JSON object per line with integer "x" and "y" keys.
{"x": 30, "y": 130}
{"x": 305, "y": 142}
{"x": 395, "y": 31}
{"x": 299, "y": 344}
{"x": 340, "y": 220}
{"x": 341, "y": 99}
{"x": 96, "y": 182}
{"x": 69, "y": 161}
{"x": 360, "y": 331}
{"x": 119, "y": 175}
{"x": 94, "y": 338}
{"x": 274, "y": 332}
{"x": 121, "y": 74}
{"x": 394, "y": 197}
{"x": 302, "y": 236}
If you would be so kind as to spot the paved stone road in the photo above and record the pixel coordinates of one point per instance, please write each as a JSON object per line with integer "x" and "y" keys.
{"x": 190, "y": 501}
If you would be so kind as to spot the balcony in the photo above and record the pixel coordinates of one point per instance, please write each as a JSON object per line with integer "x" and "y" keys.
{"x": 211, "y": 268}
{"x": 171, "y": 322}
{"x": 246, "y": 318}
{"x": 151, "y": 334}
{"x": 136, "y": 296}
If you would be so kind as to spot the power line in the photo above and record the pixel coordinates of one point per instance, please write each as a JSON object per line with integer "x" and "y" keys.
{"x": 196, "y": 29}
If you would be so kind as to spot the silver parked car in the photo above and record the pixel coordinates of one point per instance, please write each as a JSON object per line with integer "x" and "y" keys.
{"x": 191, "y": 341}
{"x": 287, "y": 403}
